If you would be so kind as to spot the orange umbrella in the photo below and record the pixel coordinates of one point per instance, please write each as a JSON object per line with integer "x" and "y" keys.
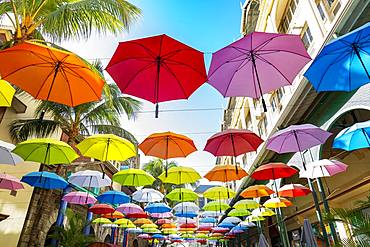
{"x": 114, "y": 215}
{"x": 225, "y": 173}
{"x": 50, "y": 74}
{"x": 255, "y": 191}
{"x": 169, "y": 225}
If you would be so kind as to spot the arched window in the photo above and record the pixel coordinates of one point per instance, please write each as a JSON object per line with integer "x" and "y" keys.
{"x": 251, "y": 13}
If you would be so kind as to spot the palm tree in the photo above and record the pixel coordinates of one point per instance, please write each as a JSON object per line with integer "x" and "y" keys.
{"x": 67, "y": 19}
{"x": 79, "y": 121}
{"x": 155, "y": 168}
{"x": 72, "y": 234}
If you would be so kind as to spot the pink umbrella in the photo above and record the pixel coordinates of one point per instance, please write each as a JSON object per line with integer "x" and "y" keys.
{"x": 323, "y": 168}
{"x": 78, "y": 197}
{"x": 129, "y": 208}
{"x": 144, "y": 236}
{"x": 10, "y": 182}
{"x": 257, "y": 63}
{"x": 161, "y": 215}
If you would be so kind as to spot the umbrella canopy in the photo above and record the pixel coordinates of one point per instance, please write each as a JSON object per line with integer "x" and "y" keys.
{"x": 158, "y": 236}
{"x": 162, "y": 215}
{"x": 129, "y": 208}
{"x": 343, "y": 64}
{"x": 166, "y": 68}
{"x": 124, "y": 223}
{"x": 293, "y": 190}
{"x": 186, "y": 207}
{"x": 10, "y": 182}
{"x": 46, "y": 151}
{"x": 133, "y": 177}
{"x": 78, "y": 197}
{"x": 256, "y": 64}
{"x": 147, "y": 195}
{"x": 163, "y": 221}
{"x": 253, "y": 218}
{"x": 323, "y": 168}
{"x": 264, "y": 212}
{"x": 208, "y": 220}
{"x": 182, "y": 194}
{"x": 90, "y": 179}
{"x": 52, "y": 71}
{"x": 101, "y": 221}
{"x": 169, "y": 231}
{"x": 216, "y": 206}
{"x": 157, "y": 207}
{"x": 226, "y": 225}
{"x": 188, "y": 225}
{"x": 246, "y": 224}
{"x": 114, "y": 215}
{"x": 134, "y": 230}
{"x": 6, "y": 156}
{"x": 152, "y": 225}
{"x": 187, "y": 214}
{"x": 181, "y": 220}
{"x": 218, "y": 193}
{"x": 255, "y": 191}
{"x": 101, "y": 209}
{"x": 167, "y": 145}
{"x": 307, "y": 236}
{"x": 297, "y": 138}
{"x": 144, "y": 236}
{"x": 169, "y": 225}
{"x": 109, "y": 226}
{"x": 45, "y": 180}
{"x": 180, "y": 175}
{"x": 232, "y": 219}
{"x": 220, "y": 229}
{"x": 113, "y": 197}
{"x": 142, "y": 221}
{"x": 106, "y": 147}
{"x": 6, "y": 93}
{"x": 277, "y": 202}
{"x": 238, "y": 212}
{"x": 246, "y": 204}
{"x": 137, "y": 215}
{"x": 355, "y": 137}
{"x": 273, "y": 171}
{"x": 211, "y": 214}
{"x": 225, "y": 173}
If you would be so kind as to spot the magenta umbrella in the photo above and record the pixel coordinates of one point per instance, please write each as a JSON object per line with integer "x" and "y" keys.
{"x": 323, "y": 168}
{"x": 129, "y": 208}
{"x": 10, "y": 182}
{"x": 78, "y": 197}
{"x": 256, "y": 64}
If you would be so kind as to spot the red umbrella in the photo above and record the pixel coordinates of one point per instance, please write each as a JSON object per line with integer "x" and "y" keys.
{"x": 233, "y": 142}
{"x": 204, "y": 228}
{"x": 188, "y": 225}
{"x": 293, "y": 190}
{"x": 163, "y": 221}
{"x": 273, "y": 171}
{"x": 101, "y": 209}
{"x": 157, "y": 69}
{"x": 137, "y": 215}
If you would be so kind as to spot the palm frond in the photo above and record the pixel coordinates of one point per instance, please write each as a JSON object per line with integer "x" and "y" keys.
{"x": 21, "y": 130}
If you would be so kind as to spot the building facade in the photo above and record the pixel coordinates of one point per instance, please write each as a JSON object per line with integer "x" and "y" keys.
{"x": 317, "y": 22}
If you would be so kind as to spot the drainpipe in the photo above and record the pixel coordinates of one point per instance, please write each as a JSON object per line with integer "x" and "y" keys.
{"x": 61, "y": 212}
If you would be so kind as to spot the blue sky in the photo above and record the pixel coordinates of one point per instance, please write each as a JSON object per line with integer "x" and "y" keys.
{"x": 206, "y": 25}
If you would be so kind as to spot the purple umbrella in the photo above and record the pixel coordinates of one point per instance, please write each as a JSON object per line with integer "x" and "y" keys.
{"x": 257, "y": 63}
{"x": 10, "y": 182}
{"x": 129, "y": 208}
{"x": 78, "y": 197}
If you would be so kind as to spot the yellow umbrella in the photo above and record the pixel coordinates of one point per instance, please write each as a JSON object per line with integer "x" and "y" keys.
{"x": 106, "y": 147}
{"x": 143, "y": 221}
{"x": 265, "y": 212}
{"x": 6, "y": 93}
{"x": 246, "y": 204}
{"x": 255, "y": 191}
{"x": 218, "y": 193}
{"x": 125, "y": 223}
{"x": 101, "y": 221}
{"x": 149, "y": 226}
{"x": 133, "y": 177}
{"x": 180, "y": 175}
{"x": 169, "y": 231}
{"x": 253, "y": 218}
{"x": 277, "y": 202}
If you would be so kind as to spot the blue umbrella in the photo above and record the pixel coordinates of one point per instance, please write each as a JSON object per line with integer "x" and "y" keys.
{"x": 158, "y": 236}
{"x": 186, "y": 214}
{"x": 355, "y": 137}
{"x": 113, "y": 197}
{"x": 45, "y": 180}
{"x": 343, "y": 64}
{"x": 157, "y": 207}
{"x": 226, "y": 225}
{"x": 208, "y": 220}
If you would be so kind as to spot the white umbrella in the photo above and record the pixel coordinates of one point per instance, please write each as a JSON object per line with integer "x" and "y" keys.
{"x": 147, "y": 195}
{"x": 90, "y": 179}
{"x": 247, "y": 224}
{"x": 6, "y": 156}
{"x": 323, "y": 168}
{"x": 232, "y": 219}
{"x": 109, "y": 225}
{"x": 186, "y": 207}
{"x": 182, "y": 220}
{"x": 212, "y": 214}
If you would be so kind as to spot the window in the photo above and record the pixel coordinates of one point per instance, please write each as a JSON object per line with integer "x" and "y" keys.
{"x": 307, "y": 37}
{"x": 262, "y": 126}
{"x": 256, "y": 103}
{"x": 248, "y": 120}
{"x": 289, "y": 13}
{"x": 2, "y": 38}
{"x": 274, "y": 103}
{"x": 321, "y": 10}
{"x": 280, "y": 93}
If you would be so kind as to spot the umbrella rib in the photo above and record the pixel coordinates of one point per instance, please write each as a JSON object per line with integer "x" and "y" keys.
{"x": 272, "y": 65}
{"x": 174, "y": 62}
{"x": 69, "y": 86}
{"x": 19, "y": 69}
{"x": 226, "y": 62}
{"x": 146, "y": 67}
{"x": 174, "y": 75}
{"x": 307, "y": 133}
{"x": 145, "y": 59}
{"x": 287, "y": 51}
{"x": 150, "y": 53}
{"x": 241, "y": 65}
{"x": 175, "y": 52}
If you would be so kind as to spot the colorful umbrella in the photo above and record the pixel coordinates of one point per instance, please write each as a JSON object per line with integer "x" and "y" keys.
{"x": 143, "y": 221}
{"x": 133, "y": 177}
{"x": 182, "y": 194}
{"x": 207, "y": 220}
{"x": 293, "y": 190}
{"x": 163, "y": 221}
{"x": 45, "y": 180}
{"x": 78, "y": 197}
{"x": 343, "y": 64}
{"x": 211, "y": 214}
{"x": 220, "y": 229}
{"x": 233, "y": 142}
{"x": 264, "y": 212}
{"x": 246, "y": 204}
{"x": 6, "y": 156}
{"x": 277, "y": 202}
{"x": 225, "y": 173}
{"x": 238, "y": 212}
{"x": 187, "y": 214}
{"x": 216, "y": 206}
{"x": 180, "y": 175}
{"x": 147, "y": 195}
{"x": 218, "y": 193}
{"x": 46, "y": 151}
{"x": 188, "y": 225}
{"x": 256, "y": 64}
{"x": 246, "y": 224}
{"x": 144, "y": 236}
{"x": 101, "y": 209}
{"x": 323, "y": 168}
{"x": 186, "y": 207}
{"x": 106, "y": 147}
{"x": 165, "y": 68}
{"x": 157, "y": 207}
{"x": 137, "y": 215}
{"x": 125, "y": 223}
{"x": 181, "y": 220}
{"x": 113, "y": 197}
{"x": 273, "y": 171}
{"x": 232, "y": 219}
{"x": 90, "y": 179}
{"x": 10, "y": 182}
{"x": 226, "y": 225}
{"x": 158, "y": 236}
{"x": 101, "y": 221}
{"x": 6, "y": 94}
{"x": 129, "y": 208}
{"x": 114, "y": 215}
{"x": 52, "y": 71}
{"x": 152, "y": 225}
{"x": 255, "y": 191}
{"x": 134, "y": 230}
{"x": 169, "y": 225}
{"x": 169, "y": 231}
{"x": 355, "y": 137}
{"x": 162, "y": 215}
{"x": 253, "y": 218}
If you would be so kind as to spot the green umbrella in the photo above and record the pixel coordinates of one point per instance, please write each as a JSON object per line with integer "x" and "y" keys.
{"x": 238, "y": 212}
{"x": 218, "y": 193}
{"x": 216, "y": 206}
{"x": 133, "y": 177}
{"x": 246, "y": 204}
{"x": 101, "y": 221}
{"x": 182, "y": 194}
